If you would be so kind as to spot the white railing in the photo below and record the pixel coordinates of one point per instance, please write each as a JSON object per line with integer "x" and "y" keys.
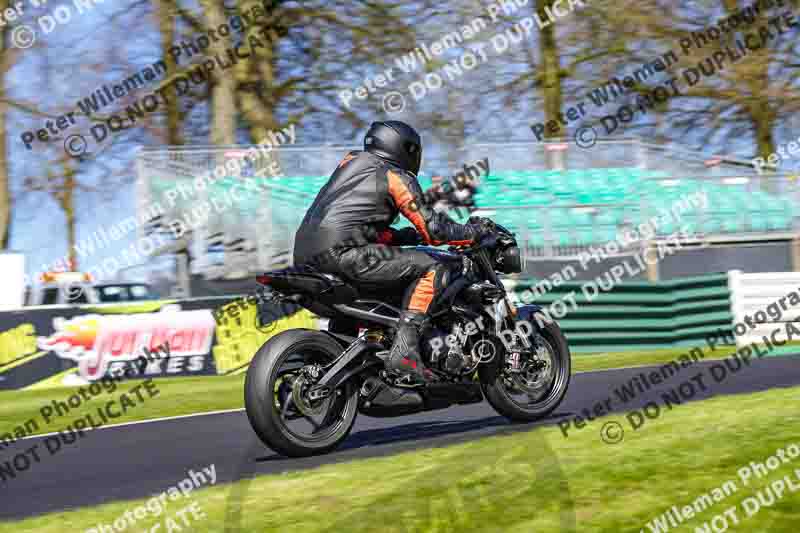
{"x": 762, "y": 299}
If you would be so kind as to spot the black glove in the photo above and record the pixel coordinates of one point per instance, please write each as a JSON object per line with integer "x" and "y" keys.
{"x": 484, "y": 226}
{"x": 406, "y": 237}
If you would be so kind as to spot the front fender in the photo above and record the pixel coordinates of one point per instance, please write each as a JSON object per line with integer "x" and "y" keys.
{"x": 526, "y": 312}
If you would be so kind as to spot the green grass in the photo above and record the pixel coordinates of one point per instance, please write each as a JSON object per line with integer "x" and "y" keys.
{"x": 608, "y": 360}
{"x": 176, "y": 396}
{"x": 523, "y": 482}
{"x": 582, "y": 362}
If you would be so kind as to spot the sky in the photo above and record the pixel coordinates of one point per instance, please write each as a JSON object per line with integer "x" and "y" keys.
{"x": 112, "y": 30}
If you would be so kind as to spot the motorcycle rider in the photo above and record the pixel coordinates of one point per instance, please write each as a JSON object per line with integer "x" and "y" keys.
{"x": 347, "y": 232}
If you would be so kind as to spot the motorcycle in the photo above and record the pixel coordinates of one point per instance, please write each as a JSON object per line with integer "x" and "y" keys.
{"x": 304, "y": 387}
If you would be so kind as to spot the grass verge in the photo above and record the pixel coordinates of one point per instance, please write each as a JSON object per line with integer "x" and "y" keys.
{"x": 584, "y": 362}
{"x": 530, "y": 481}
{"x": 176, "y": 396}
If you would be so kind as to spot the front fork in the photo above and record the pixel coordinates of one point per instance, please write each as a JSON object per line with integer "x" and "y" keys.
{"x": 506, "y": 315}
{"x": 505, "y": 311}
{"x": 517, "y": 328}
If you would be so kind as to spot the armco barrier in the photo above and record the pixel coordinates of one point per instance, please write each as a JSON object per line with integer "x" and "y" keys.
{"x": 639, "y": 315}
{"x": 753, "y": 294}
{"x": 67, "y": 345}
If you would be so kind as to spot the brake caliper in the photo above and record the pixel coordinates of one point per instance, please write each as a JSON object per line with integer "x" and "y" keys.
{"x": 521, "y": 359}
{"x": 305, "y": 392}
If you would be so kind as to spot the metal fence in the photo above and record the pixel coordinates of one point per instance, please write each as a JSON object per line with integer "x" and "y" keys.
{"x": 743, "y": 205}
{"x": 246, "y": 229}
{"x": 256, "y": 232}
{"x": 743, "y": 208}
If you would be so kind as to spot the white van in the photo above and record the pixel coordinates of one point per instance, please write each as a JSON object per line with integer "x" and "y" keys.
{"x": 75, "y": 288}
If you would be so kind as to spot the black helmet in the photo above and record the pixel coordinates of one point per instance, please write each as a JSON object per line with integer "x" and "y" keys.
{"x": 396, "y": 141}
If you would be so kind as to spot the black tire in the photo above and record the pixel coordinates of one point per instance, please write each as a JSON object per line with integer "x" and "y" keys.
{"x": 498, "y": 398}
{"x": 260, "y": 384}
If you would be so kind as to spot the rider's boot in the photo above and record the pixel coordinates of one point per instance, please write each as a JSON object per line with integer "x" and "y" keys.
{"x": 404, "y": 358}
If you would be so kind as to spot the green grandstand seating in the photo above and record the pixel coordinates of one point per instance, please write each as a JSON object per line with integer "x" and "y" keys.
{"x": 732, "y": 208}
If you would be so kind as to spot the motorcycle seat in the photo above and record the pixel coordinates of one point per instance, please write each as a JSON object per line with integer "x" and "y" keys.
{"x": 310, "y": 282}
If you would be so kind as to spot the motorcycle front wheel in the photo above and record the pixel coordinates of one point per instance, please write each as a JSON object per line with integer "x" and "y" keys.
{"x": 540, "y": 385}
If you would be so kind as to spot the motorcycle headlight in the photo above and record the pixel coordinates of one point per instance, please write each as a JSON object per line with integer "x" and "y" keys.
{"x": 509, "y": 261}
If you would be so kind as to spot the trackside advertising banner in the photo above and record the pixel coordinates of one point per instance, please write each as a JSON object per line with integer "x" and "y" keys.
{"x": 73, "y": 345}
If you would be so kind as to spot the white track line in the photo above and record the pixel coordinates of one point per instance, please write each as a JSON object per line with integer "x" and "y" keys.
{"x": 224, "y": 411}
{"x": 122, "y": 424}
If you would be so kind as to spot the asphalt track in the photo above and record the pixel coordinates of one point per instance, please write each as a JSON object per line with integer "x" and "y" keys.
{"x": 137, "y": 461}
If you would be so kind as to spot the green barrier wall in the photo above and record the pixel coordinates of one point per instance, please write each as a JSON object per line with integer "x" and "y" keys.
{"x": 639, "y": 315}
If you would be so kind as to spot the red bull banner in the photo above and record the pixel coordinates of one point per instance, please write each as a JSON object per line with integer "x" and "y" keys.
{"x": 75, "y": 345}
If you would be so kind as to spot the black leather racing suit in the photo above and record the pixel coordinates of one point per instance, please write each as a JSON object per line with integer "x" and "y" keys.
{"x": 347, "y": 232}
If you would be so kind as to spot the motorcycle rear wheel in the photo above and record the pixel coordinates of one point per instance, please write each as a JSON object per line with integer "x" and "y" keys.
{"x": 275, "y": 403}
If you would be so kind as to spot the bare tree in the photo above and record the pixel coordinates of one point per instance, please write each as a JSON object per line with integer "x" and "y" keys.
{"x": 5, "y": 190}
{"x": 223, "y": 107}
{"x": 166, "y": 14}
{"x": 62, "y": 186}
{"x": 719, "y": 104}
{"x": 330, "y": 41}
